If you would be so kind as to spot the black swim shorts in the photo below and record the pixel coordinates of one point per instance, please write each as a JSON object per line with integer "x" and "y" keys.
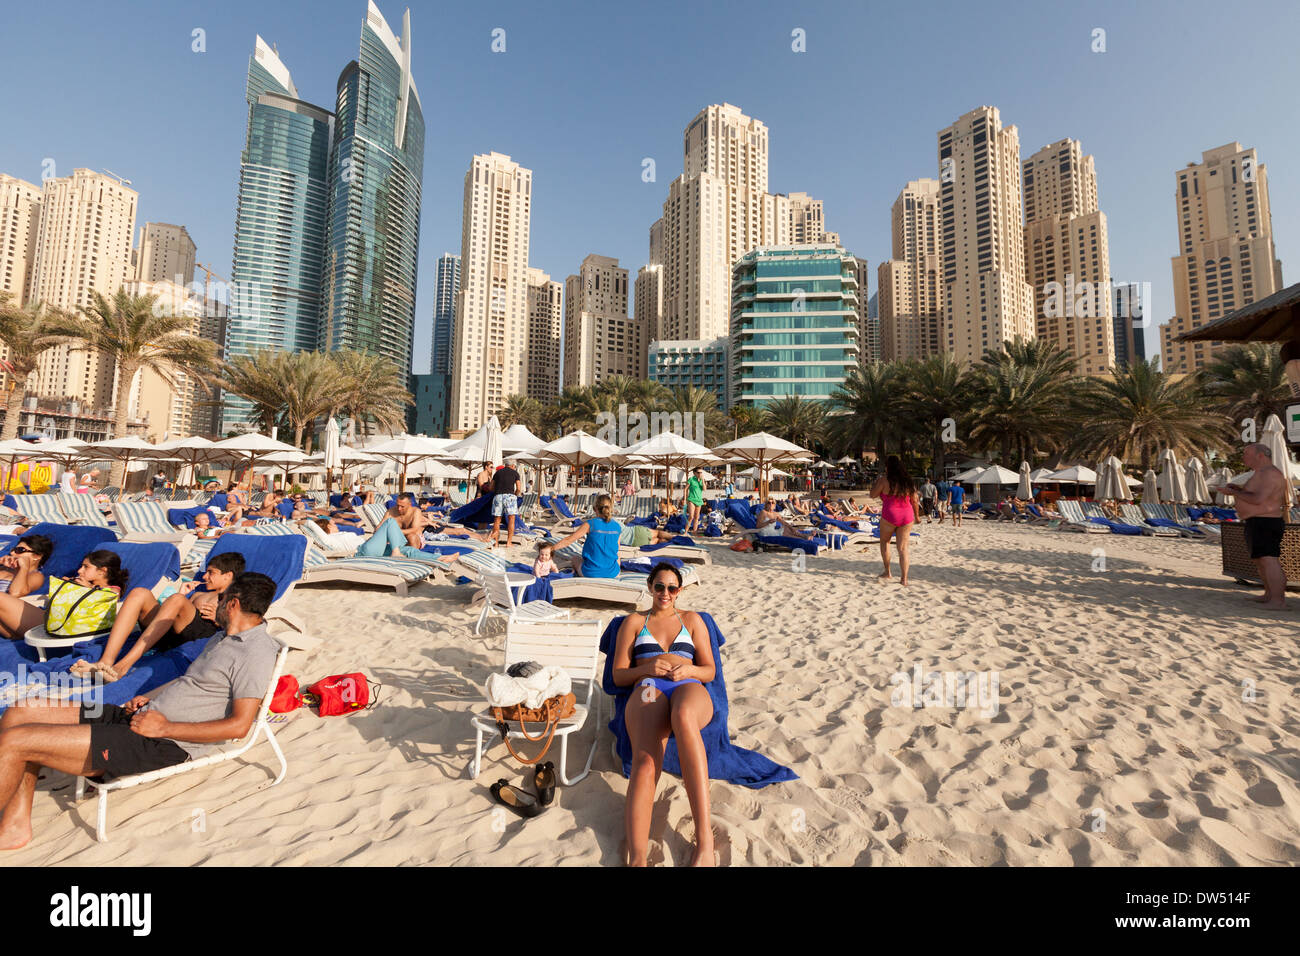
{"x": 118, "y": 751}
{"x": 1264, "y": 537}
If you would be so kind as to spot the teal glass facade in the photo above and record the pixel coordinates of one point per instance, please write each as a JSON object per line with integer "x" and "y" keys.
{"x": 692, "y": 362}
{"x": 374, "y": 214}
{"x": 280, "y": 227}
{"x": 794, "y": 323}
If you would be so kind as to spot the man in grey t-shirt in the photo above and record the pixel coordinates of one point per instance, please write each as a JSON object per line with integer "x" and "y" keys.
{"x": 216, "y": 700}
{"x": 928, "y": 494}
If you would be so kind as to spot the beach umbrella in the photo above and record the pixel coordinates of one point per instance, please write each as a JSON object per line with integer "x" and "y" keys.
{"x": 518, "y": 438}
{"x": 1150, "y": 488}
{"x": 1198, "y": 491}
{"x": 761, "y": 450}
{"x": 1076, "y": 474}
{"x": 847, "y": 460}
{"x": 578, "y": 449}
{"x": 191, "y": 450}
{"x": 330, "y": 453}
{"x": 1023, "y": 490}
{"x": 1170, "y": 482}
{"x": 1216, "y": 482}
{"x": 247, "y": 449}
{"x": 1040, "y": 474}
{"x": 996, "y": 475}
{"x": 405, "y": 449}
{"x": 1113, "y": 478}
{"x": 1274, "y": 440}
{"x": 669, "y": 450}
{"x": 492, "y": 442}
{"x": 969, "y": 474}
{"x": 124, "y": 449}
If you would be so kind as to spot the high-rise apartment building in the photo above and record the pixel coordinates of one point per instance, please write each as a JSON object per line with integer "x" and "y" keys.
{"x": 1067, "y": 255}
{"x": 808, "y": 221}
{"x": 648, "y": 300}
{"x": 794, "y": 324}
{"x": 20, "y": 222}
{"x": 1130, "y": 323}
{"x": 491, "y": 335}
{"x": 986, "y": 298}
{"x": 280, "y": 221}
{"x": 910, "y": 283}
{"x": 545, "y": 318}
{"x": 1226, "y": 257}
{"x": 164, "y": 253}
{"x": 600, "y": 340}
{"x": 376, "y": 166}
{"x": 868, "y": 324}
{"x": 444, "y": 313}
{"x": 83, "y": 246}
{"x": 716, "y": 211}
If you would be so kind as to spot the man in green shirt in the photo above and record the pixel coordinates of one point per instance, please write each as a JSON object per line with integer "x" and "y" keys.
{"x": 694, "y": 499}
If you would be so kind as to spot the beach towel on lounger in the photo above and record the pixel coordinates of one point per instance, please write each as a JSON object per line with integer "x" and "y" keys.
{"x": 71, "y": 544}
{"x": 737, "y": 765}
{"x": 475, "y": 513}
{"x": 184, "y": 517}
{"x": 279, "y": 557}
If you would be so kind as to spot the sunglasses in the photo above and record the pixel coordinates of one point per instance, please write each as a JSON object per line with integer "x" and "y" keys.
{"x": 21, "y": 551}
{"x": 670, "y": 588}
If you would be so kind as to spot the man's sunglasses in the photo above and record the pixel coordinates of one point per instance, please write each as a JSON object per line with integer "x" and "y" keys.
{"x": 670, "y": 588}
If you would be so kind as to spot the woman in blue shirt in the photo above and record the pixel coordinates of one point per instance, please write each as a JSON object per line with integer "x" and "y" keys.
{"x": 600, "y": 547}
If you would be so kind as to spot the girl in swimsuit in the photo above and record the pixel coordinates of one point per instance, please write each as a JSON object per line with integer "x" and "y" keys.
{"x": 19, "y": 574}
{"x": 900, "y": 503}
{"x": 667, "y": 655}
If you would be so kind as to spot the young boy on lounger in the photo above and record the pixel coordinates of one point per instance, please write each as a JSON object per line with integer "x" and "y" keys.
{"x": 188, "y": 615}
{"x": 216, "y": 700}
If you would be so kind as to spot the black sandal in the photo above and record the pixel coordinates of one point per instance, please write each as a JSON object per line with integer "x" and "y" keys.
{"x": 524, "y": 804}
{"x": 544, "y": 783}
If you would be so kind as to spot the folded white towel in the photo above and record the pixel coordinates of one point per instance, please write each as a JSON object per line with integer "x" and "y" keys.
{"x": 502, "y": 690}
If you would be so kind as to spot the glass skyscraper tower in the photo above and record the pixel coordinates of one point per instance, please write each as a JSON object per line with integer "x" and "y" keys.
{"x": 376, "y": 165}
{"x": 327, "y": 228}
{"x": 276, "y": 272}
{"x": 444, "y": 313}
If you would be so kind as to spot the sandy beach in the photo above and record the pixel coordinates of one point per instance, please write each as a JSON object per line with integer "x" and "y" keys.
{"x": 1145, "y": 714}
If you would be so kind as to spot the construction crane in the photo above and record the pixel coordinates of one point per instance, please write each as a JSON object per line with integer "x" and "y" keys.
{"x": 207, "y": 277}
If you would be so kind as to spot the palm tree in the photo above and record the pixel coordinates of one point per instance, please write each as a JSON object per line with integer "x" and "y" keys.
{"x": 522, "y": 410}
{"x": 1248, "y": 381}
{"x": 311, "y": 384}
{"x": 256, "y": 379}
{"x": 797, "y": 419}
{"x": 1139, "y": 410}
{"x": 870, "y": 397}
{"x": 134, "y": 333}
{"x": 936, "y": 389}
{"x": 697, "y": 406}
{"x": 26, "y": 334}
{"x": 372, "y": 389}
{"x": 746, "y": 420}
{"x": 1020, "y": 396}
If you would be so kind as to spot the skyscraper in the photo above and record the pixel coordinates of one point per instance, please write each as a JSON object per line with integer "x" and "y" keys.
{"x": 600, "y": 340}
{"x": 491, "y": 352}
{"x": 20, "y": 222}
{"x": 376, "y": 166}
{"x": 808, "y": 221}
{"x": 545, "y": 320}
{"x": 444, "y": 313}
{"x": 986, "y": 298}
{"x": 716, "y": 211}
{"x": 83, "y": 246}
{"x": 280, "y": 221}
{"x": 1129, "y": 324}
{"x": 910, "y": 283}
{"x": 1226, "y": 258}
{"x": 648, "y": 299}
{"x": 1067, "y": 255}
{"x": 164, "y": 253}
{"x": 868, "y": 324}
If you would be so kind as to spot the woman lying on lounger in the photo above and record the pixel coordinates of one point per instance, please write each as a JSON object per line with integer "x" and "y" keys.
{"x": 99, "y": 569}
{"x": 19, "y": 569}
{"x": 668, "y": 656}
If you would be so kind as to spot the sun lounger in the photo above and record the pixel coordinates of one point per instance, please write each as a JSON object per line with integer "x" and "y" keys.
{"x": 726, "y": 761}
{"x": 1159, "y": 516}
{"x": 398, "y": 573}
{"x": 147, "y": 521}
{"x": 628, "y": 588}
{"x": 573, "y": 645}
{"x": 81, "y": 509}
{"x": 1073, "y": 519}
{"x": 1134, "y": 516}
{"x": 1094, "y": 513}
{"x": 41, "y": 508}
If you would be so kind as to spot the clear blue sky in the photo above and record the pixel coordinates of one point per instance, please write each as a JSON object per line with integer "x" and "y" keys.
{"x": 584, "y": 92}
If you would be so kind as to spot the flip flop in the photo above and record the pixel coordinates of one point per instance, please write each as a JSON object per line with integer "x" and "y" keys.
{"x": 544, "y": 782}
{"x": 524, "y": 804}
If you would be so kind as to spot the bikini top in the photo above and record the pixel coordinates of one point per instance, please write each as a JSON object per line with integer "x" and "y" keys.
{"x": 646, "y": 646}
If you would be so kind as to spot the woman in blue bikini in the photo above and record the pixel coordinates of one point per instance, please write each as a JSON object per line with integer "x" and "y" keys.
{"x": 667, "y": 655}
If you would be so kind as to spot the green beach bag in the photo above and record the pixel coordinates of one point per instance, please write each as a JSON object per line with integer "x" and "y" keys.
{"x": 74, "y": 610}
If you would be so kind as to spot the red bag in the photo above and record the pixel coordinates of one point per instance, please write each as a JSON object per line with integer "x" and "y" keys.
{"x": 342, "y": 694}
{"x": 286, "y": 696}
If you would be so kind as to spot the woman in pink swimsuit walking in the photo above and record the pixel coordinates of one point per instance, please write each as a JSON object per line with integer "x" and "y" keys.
{"x": 900, "y": 504}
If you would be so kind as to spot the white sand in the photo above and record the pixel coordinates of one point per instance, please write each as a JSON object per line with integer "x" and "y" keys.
{"x": 1120, "y": 691}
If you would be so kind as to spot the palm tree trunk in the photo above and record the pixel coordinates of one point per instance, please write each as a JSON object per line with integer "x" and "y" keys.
{"x": 297, "y": 434}
{"x": 13, "y": 405}
{"x": 125, "y": 376}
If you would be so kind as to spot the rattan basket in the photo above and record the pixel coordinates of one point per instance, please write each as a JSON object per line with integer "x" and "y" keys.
{"x": 1236, "y": 556}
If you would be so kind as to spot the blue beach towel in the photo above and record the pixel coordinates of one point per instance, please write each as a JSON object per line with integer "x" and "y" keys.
{"x": 184, "y": 517}
{"x": 146, "y": 564}
{"x": 71, "y": 544}
{"x": 681, "y": 540}
{"x": 740, "y": 513}
{"x": 278, "y": 556}
{"x": 727, "y": 761}
{"x": 473, "y": 513}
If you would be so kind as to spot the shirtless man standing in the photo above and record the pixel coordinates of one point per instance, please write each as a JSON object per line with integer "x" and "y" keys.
{"x": 1261, "y": 504}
